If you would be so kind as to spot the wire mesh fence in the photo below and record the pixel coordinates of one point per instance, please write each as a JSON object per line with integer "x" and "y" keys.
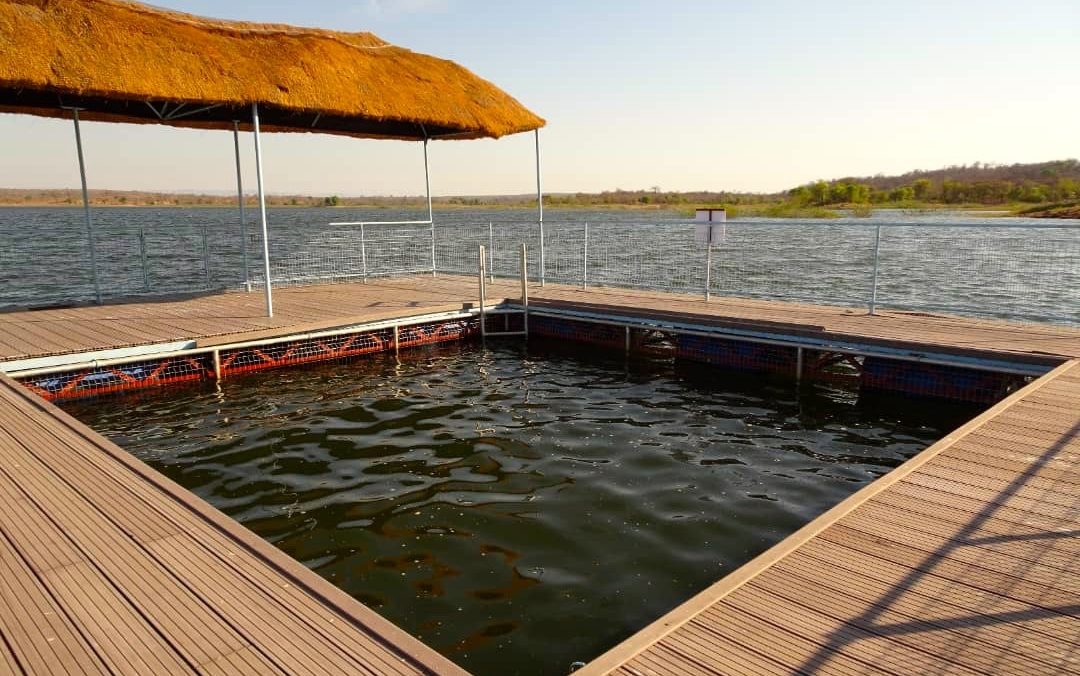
{"x": 1022, "y": 270}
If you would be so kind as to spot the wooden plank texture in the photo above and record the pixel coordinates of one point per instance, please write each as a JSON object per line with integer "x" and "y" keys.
{"x": 961, "y": 561}
{"x": 108, "y": 567}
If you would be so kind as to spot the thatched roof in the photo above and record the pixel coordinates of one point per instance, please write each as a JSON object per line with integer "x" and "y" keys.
{"x": 126, "y": 62}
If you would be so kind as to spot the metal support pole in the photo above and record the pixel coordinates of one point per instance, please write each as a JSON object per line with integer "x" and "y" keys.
{"x": 363, "y": 251}
{"x": 217, "y": 365}
{"x": 397, "y": 340}
{"x": 483, "y": 292}
{"x": 627, "y": 339}
{"x": 430, "y": 214}
{"x": 708, "y": 267}
{"x": 877, "y": 259}
{"x": 142, "y": 258}
{"x": 86, "y": 207}
{"x": 240, "y": 201}
{"x": 585, "y": 259}
{"x": 525, "y": 286}
{"x": 206, "y": 254}
{"x": 540, "y": 209}
{"x": 262, "y": 211}
{"x": 491, "y": 252}
{"x": 798, "y": 364}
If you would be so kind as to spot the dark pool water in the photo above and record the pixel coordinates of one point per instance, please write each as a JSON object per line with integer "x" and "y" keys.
{"x": 519, "y": 510}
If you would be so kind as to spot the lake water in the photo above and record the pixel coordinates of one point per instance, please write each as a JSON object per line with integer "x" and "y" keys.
{"x": 1029, "y": 270}
{"x": 518, "y": 509}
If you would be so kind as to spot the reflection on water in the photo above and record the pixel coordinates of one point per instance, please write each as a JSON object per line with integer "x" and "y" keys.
{"x": 518, "y": 510}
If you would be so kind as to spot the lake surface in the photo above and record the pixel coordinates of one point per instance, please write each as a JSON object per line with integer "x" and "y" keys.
{"x": 1027, "y": 269}
{"x": 519, "y": 509}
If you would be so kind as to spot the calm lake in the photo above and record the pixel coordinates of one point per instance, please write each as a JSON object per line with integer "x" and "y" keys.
{"x": 1025, "y": 269}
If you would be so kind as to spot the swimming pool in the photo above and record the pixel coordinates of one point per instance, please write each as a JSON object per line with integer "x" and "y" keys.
{"x": 519, "y": 509}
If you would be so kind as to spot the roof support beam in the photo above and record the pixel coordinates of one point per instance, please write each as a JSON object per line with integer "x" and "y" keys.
{"x": 240, "y": 200}
{"x": 427, "y": 187}
{"x": 262, "y": 211}
{"x": 540, "y": 208}
{"x": 86, "y": 207}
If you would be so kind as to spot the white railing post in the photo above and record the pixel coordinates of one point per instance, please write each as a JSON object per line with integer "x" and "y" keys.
{"x": 363, "y": 252}
{"x": 525, "y": 286}
{"x": 585, "y": 259}
{"x": 874, "y": 280}
{"x": 262, "y": 210}
{"x": 86, "y": 207}
{"x": 491, "y": 251}
{"x": 483, "y": 292}
{"x": 708, "y": 267}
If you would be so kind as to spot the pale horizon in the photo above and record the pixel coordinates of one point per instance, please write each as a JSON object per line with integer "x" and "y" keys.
{"x": 686, "y": 96}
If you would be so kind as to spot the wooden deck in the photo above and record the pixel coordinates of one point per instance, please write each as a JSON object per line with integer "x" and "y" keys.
{"x": 961, "y": 561}
{"x": 107, "y": 567}
{"x": 239, "y": 316}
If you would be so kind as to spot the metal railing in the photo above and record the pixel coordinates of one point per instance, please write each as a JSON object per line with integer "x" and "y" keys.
{"x": 1012, "y": 270}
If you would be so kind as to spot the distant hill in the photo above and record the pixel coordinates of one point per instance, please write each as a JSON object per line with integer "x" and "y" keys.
{"x": 977, "y": 184}
{"x": 1046, "y": 173}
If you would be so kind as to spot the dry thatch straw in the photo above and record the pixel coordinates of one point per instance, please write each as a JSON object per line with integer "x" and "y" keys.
{"x": 126, "y": 62}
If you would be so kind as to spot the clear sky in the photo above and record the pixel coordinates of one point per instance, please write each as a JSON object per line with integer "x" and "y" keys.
{"x": 721, "y": 95}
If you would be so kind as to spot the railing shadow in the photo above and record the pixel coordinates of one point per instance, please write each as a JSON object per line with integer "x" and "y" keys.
{"x": 965, "y": 537}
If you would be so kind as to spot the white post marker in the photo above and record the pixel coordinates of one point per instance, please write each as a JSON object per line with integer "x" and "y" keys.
{"x": 262, "y": 210}
{"x": 711, "y": 229}
{"x": 86, "y": 207}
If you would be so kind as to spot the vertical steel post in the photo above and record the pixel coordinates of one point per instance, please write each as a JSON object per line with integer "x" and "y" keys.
{"x": 363, "y": 251}
{"x": 877, "y": 259}
{"x": 540, "y": 209}
{"x": 86, "y": 207}
{"x": 217, "y": 365}
{"x": 206, "y": 254}
{"x": 240, "y": 201}
{"x": 585, "y": 259}
{"x": 262, "y": 210}
{"x": 430, "y": 214}
{"x": 525, "y": 286}
{"x": 483, "y": 293}
{"x": 491, "y": 251}
{"x": 708, "y": 267}
{"x": 798, "y": 364}
{"x": 397, "y": 340}
{"x": 142, "y": 258}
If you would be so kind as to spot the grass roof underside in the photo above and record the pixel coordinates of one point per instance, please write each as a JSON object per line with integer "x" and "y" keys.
{"x": 126, "y": 62}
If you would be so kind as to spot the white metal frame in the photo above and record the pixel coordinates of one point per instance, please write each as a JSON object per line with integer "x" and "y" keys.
{"x": 86, "y": 206}
{"x": 240, "y": 203}
{"x": 540, "y": 208}
{"x": 262, "y": 211}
